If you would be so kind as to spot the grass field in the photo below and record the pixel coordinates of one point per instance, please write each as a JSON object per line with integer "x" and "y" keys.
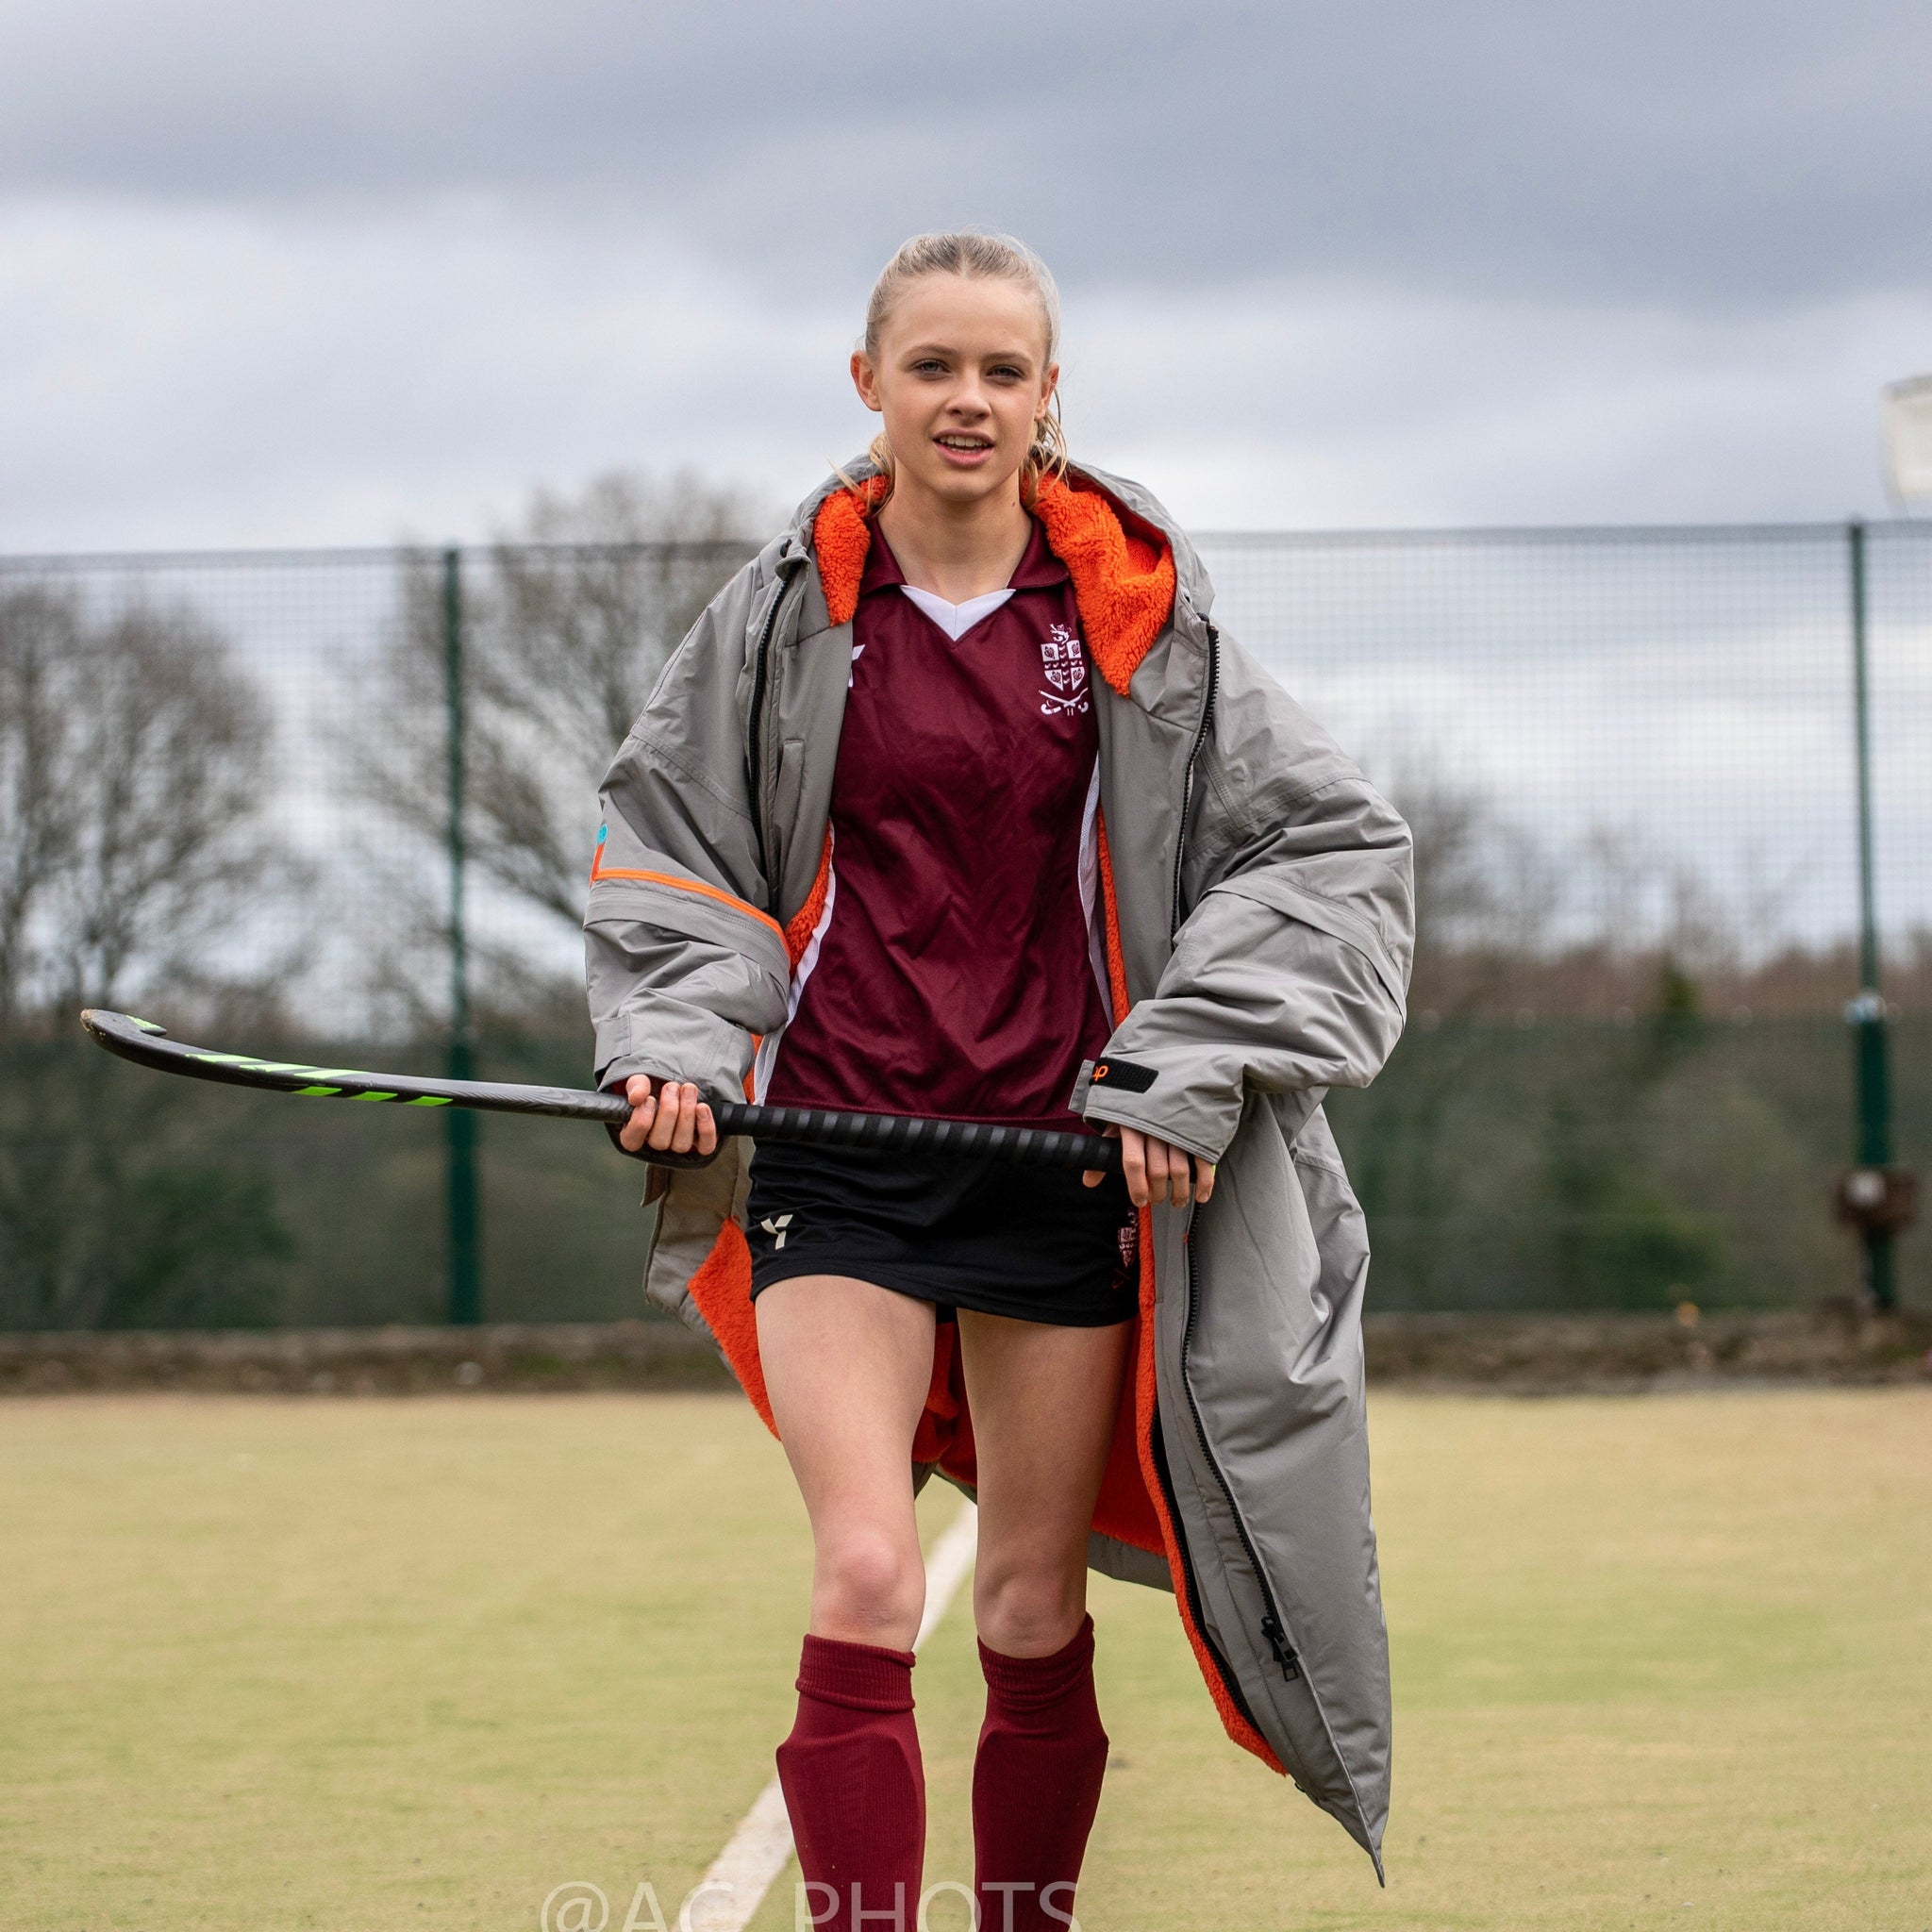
{"x": 359, "y": 1665}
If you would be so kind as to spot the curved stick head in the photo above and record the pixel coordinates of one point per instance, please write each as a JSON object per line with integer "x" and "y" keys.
{"x": 106, "y": 1028}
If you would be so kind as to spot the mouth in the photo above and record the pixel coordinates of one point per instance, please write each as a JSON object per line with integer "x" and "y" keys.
{"x": 964, "y": 447}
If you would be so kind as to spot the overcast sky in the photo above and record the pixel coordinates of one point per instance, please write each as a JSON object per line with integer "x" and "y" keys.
{"x": 297, "y": 274}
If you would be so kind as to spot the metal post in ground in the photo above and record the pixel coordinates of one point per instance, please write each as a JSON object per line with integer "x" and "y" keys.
{"x": 1867, "y": 1190}
{"x": 462, "y": 1200}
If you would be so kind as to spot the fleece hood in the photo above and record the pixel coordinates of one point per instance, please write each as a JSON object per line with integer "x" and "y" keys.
{"x": 1122, "y": 566}
{"x": 1133, "y": 568}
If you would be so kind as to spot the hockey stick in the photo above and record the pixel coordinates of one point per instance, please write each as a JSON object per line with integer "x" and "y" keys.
{"x": 148, "y": 1045}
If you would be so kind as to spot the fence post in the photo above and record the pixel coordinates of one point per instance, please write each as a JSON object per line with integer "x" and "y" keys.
{"x": 460, "y": 1126}
{"x": 1866, "y": 1012}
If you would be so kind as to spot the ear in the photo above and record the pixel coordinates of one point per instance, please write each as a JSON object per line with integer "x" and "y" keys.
{"x": 865, "y": 380}
{"x": 1048, "y": 384}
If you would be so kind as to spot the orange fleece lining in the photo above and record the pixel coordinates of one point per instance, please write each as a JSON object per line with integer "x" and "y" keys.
{"x": 798, "y": 928}
{"x": 1122, "y": 583}
{"x": 840, "y": 539}
{"x": 721, "y": 1290}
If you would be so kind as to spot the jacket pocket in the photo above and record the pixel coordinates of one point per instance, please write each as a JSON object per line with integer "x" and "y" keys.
{"x": 787, "y": 789}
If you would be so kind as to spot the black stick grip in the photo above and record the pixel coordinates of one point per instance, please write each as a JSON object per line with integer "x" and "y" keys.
{"x": 913, "y": 1134}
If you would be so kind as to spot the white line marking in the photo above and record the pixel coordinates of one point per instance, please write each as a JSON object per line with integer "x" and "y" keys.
{"x": 747, "y": 1867}
{"x": 751, "y": 1862}
{"x": 947, "y": 1568}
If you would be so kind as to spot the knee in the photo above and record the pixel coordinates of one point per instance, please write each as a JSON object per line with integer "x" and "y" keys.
{"x": 868, "y": 1588}
{"x": 1027, "y": 1609}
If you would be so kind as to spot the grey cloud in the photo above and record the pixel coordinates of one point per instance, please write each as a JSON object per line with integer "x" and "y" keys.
{"x": 1724, "y": 155}
{"x": 196, "y": 376}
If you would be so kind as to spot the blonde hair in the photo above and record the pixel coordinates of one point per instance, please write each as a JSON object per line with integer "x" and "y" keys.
{"x": 978, "y": 257}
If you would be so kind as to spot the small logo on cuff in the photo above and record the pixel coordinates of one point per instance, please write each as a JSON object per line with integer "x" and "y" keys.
{"x": 776, "y": 1225}
{"x": 1123, "y": 1075}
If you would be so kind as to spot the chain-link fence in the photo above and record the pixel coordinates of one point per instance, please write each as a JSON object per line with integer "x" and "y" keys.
{"x": 1630, "y": 758}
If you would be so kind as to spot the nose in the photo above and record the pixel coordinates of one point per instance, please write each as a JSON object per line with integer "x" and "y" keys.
{"x": 968, "y": 399}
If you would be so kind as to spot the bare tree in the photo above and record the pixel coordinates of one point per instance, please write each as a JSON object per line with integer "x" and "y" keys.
{"x": 1486, "y": 895}
{"x": 133, "y": 762}
{"x": 133, "y": 758}
{"x": 566, "y": 631}
{"x": 38, "y": 634}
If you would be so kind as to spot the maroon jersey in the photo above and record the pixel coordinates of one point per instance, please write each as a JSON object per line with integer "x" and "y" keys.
{"x": 955, "y": 969}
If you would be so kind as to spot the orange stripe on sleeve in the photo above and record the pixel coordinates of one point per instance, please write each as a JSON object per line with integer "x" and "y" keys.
{"x": 600, "y": 871}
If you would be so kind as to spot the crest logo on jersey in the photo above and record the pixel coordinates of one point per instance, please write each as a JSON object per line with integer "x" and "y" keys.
{"x": 1065, "y": 665}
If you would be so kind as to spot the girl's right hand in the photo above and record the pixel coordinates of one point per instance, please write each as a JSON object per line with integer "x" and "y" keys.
{"x": 668, "y": 1115}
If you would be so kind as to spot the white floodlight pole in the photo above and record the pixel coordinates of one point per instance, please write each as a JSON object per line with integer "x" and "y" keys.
{"x": 1908, "y": 407}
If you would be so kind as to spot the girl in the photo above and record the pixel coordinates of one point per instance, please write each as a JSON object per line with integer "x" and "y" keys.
{"x": 955, "y": 802}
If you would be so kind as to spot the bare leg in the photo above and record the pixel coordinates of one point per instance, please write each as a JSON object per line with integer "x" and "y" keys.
{"x": 846, "y": 1366}
{"x": 1043, "y": 1407}
{"x": 1043, "y": 1401}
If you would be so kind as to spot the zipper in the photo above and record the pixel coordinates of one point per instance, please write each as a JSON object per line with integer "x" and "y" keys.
{"x": 1229, "y": 1682}
{"x": 1272, "y": 1627}
{"x": 1283, "y": 1649}
{"x": 1207, "y": 724}
{"x": 760, "y": 680}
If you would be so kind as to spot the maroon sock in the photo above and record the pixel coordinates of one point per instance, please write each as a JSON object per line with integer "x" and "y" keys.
{"x": 854, "y": 1788}
{"x": 1035, "y": 1784}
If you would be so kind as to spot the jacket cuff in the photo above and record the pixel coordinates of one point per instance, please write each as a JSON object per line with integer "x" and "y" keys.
{"x": 714, "y": 1055}
{"x": 1117, "y": 1110}
{"x": 1113, "y": 1091}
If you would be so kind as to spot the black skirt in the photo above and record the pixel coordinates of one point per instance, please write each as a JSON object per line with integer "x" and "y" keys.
{"x": 1033, "y": 1244}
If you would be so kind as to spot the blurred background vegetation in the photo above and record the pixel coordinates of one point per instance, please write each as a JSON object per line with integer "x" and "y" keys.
{"x": 225, "y": 805}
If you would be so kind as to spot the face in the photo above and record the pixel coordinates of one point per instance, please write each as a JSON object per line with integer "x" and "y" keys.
{"x": 960, "y": 377}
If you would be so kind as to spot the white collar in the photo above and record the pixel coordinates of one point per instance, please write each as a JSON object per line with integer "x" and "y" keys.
{"x": 955, "y": 620}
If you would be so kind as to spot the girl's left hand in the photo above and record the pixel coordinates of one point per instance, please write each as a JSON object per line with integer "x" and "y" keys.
{"x": 1157, "y": 1171}
{"x": 667, "y": 1116}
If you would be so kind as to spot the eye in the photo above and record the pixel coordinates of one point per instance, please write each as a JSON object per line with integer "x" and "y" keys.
{"x": 930, "y": 365}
